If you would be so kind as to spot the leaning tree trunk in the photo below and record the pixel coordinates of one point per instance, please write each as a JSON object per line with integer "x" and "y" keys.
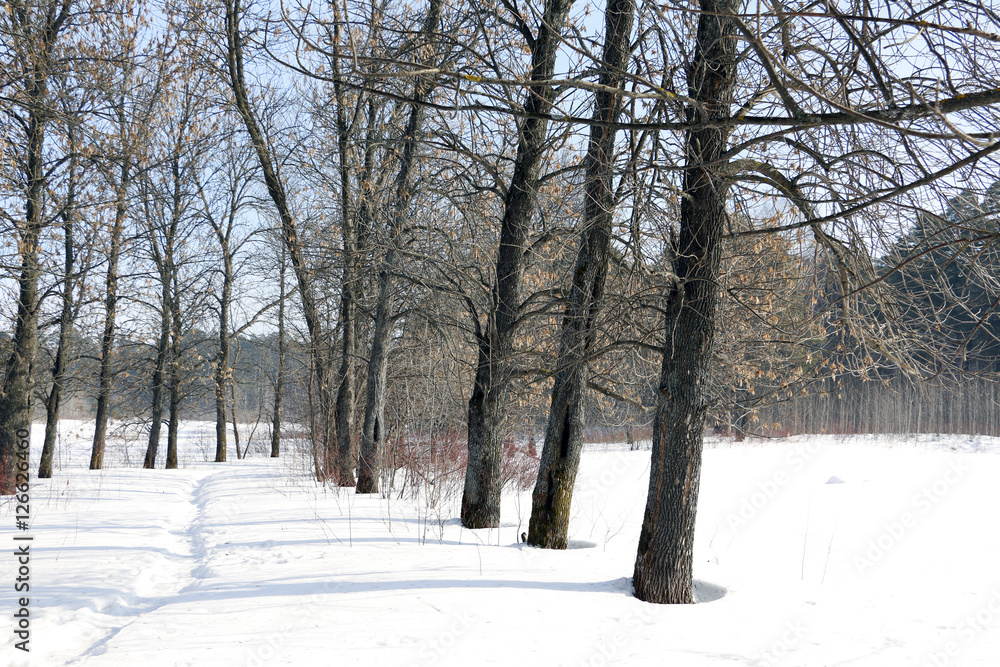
{"x": 481, "y": 495}
{"x": 663, "y": 566}
{"x": 289, "y": 227}
{"x": 373, "y": 429}
{"x": 52, "y": 405}
{"x": 560, "y": 460}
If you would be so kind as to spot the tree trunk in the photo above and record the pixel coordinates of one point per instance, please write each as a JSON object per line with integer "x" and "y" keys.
{"x": 351, "y": 289}
{"x": 370, "y": 458}
{"x": 158, "y": 377}
{"x": 15, "y": 409}
{"x": 175, "y": 370}
{"x": 52, "y": 415}
{"x": 222, "y": 371}
{"x": 345, "y": 406}
{"x": 481, "y": 496}
{"x": 18, "y": 382}
{"x": 663, "y": 566}
{"x": 560, "y": 460}
{"x": 279, "y": 382}
{"x": 346, "y": 401}
{"x": 108, "y": 336}
{"x": 220, "y": 404}
{"x": 373, "y": 430}
{"x": 310, "y": 397}
{"x": 236, "y": 428}
{"x": 65, "y": 324}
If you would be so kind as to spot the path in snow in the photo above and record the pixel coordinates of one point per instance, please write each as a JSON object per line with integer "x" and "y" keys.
{"x": 153, "y": 565}
{"x": 249, "y": 563}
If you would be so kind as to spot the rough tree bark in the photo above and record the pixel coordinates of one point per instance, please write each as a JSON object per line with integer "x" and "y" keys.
{"x": 481, "y": 496}
{"x": 560, "y": 460}
{"x": 663, "y": 567}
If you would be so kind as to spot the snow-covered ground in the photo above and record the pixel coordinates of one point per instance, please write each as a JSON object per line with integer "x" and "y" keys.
{"x": 810, "y": 552}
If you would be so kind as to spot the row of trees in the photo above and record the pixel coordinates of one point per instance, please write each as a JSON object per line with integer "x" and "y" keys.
{"x": 670, "y": 208}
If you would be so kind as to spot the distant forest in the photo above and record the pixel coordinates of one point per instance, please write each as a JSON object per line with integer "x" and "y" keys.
{"x": 943, "y": 273}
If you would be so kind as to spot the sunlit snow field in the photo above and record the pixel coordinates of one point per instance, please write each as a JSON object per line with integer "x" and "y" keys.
{"x": 811, "y": 552}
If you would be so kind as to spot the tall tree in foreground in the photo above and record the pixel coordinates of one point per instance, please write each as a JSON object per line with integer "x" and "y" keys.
{"x": 663, "y": 564}
{"x": 845, "y": 147}
{"x": 495, "y": 340}
{"x": 553, "y": 494}
{"x": 33, "y": 33}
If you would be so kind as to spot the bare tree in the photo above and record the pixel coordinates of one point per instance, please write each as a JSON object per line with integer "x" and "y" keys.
{"x": 550, "y": 509}
{"x": 373, "y": 430}
{"x": 840, "y": 145}
{"x": 170, "y": 192}
{"x": 345, "y": 408}
{"x": 481, "y": 498}
{"x": 663, "y": 564}
{"x": 319, "y": 345}
{"x": 32, "y": 35}
{"x": 224, "y": 194}
{"x": 372, "y": 212}
{"x": 131, "y": 94}
{"x": 77, "y": 261}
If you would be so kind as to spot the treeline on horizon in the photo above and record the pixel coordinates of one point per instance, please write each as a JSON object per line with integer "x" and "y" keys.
{"x": 946, "y": 275}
